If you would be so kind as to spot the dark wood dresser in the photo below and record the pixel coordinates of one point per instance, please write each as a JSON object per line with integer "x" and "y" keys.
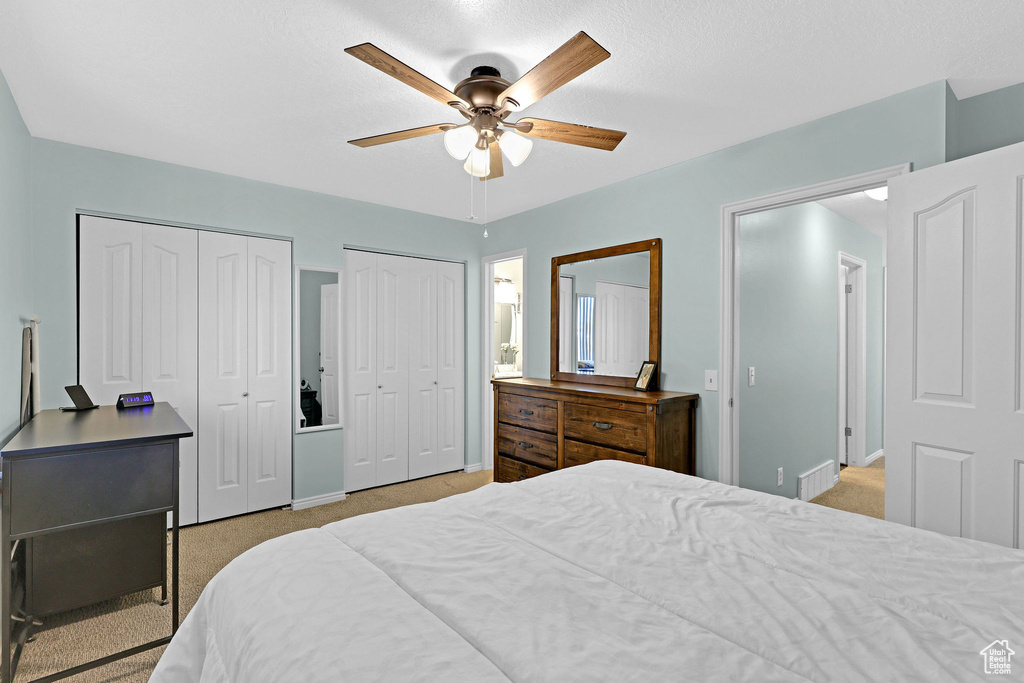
{"x": 542, "y": 425}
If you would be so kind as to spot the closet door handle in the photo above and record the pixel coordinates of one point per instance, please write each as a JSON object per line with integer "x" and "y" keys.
{"x": 380, "y": 386}
{"x": 523, "y": 444}
{"x": 603, "y": 425}
{"x": 524, "y": 411}
{"x": 244, "y": 394}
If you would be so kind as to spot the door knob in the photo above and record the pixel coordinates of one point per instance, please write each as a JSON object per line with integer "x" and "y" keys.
{"x": 435, "y": 381}
{"x": 380, "y": 386}
{"x": 321, "y": 369}
{"x": 245, "y": 394}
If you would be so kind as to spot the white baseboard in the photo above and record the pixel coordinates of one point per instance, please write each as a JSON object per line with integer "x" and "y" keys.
{"x": 318, "y": 500}
{"x": 473, "y": 468}
{"x": 873, "y": 457}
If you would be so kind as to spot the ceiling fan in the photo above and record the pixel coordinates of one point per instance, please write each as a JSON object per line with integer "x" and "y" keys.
{"x": 486, "y": 100}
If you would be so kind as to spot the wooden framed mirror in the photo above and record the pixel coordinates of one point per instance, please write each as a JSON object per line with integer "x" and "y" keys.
{"x": 601, "y": 329}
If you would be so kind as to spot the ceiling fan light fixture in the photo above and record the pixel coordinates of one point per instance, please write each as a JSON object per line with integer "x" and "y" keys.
{"x": 459, "y": 141}
{"x": 515, "y": 146}
{"x": 879, "y": 194}
{"x": 478, "y": 163}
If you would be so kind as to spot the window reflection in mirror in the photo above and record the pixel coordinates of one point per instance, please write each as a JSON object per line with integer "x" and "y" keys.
{"x": 604, "y": 311}
{"x": 318, "y": 347}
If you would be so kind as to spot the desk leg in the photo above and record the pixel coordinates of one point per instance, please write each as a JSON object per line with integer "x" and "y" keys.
{"x": 174, "y": 545}
{"x": 5, "y": 593}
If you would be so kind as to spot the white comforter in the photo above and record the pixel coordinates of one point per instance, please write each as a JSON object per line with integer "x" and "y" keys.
{"x": 607, "y": 571}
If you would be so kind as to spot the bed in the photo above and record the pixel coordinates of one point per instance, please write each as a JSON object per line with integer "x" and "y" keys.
{"x": 605, "y": 571}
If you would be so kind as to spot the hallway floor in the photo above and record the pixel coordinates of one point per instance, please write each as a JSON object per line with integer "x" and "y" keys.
{"x": 860, "y": 490}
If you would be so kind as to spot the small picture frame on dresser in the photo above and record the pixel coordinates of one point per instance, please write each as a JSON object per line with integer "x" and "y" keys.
{"x": 645, "y": 378}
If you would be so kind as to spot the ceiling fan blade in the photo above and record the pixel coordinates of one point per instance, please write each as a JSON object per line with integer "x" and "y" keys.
{"x": 576, "y": 56}
{"x": 574, "y": 134}
{"x": 401, "y": 135}
{"x": 497, "y": 170}
{"x": 377, "y": 58}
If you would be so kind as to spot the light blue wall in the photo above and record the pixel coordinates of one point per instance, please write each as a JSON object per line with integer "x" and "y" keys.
{"x": 994, "y": 119}
{"x": 628, "y": 269}
{"x": 788, "y": 311}
{"x": 310, "y": 282}
{"x": 682, "y": 205}
{"x": 67, "y": 178}
{"x": 15, "y": 254}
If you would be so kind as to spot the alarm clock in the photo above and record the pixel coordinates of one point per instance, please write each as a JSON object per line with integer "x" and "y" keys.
{"x": 143, "y": 398}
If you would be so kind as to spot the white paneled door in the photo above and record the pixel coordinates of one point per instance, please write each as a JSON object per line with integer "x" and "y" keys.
{"x": 954, "y": 426}
{"x": 621, "y": 320}
{"x": 269, "y": 376}
{"x": 170, "y": 362}
{"x": 223, "y": 375}
{"x": 359, "y": 270}
{"x": 451, "y": 367}
{"x": 405, "y": 368}
{"x": 109, "y": 308}
{"x": 330, "y": 352}
{"x": 244, "y": 374}
{"x": 137, "y": 324}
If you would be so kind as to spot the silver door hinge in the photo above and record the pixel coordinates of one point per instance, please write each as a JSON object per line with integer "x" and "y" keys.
{"x": 849, "y": 289}
{"x": 849, "y": 431}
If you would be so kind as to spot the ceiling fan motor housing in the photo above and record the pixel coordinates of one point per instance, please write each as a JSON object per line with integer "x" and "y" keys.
{"x": 482, "y": 88}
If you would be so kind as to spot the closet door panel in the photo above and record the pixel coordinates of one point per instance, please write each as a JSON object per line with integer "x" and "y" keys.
{"x": 394, "y": 288}
{"x": 359, "y": 270}
{"x": 223, "y": 375}
{"x": 423, "y": 367}
{"x": 269, "y": 373}
{"x": 451, "y": 371}
{"x": 110, "y": 307}
{"x": 170, "y": 358}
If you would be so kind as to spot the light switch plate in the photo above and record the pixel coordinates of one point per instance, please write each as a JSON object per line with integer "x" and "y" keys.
{"x": 750, "y": 376}
{"x": 711, "y": 380}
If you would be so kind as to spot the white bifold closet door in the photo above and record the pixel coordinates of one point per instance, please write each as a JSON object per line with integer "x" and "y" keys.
{"x": 245, "y": 374}
{"x": 621, "y": 320}
{"x": 405, "y": 368}
{"x": 138, "y": 324}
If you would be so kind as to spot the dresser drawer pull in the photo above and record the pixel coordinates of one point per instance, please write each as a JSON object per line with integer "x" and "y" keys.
{"x": 603, "y": 425}
{"x": 523, "y": 444}
{"x": 524, "y": 411}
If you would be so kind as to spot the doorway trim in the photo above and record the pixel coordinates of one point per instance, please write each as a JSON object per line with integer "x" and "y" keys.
{"x": 728, "y": 412}
{"x": 487, "y": 337}
{"x": 852, "y": 399}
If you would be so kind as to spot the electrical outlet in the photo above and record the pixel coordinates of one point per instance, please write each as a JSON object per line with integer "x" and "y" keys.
{"x": 711, "y": 380}
{"x": 780, "y": 476}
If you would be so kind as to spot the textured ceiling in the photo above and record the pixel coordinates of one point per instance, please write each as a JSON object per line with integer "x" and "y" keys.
{"x": 264, "y": 90}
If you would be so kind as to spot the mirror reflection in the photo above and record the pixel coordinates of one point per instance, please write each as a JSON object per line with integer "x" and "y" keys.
{"x": 319, "y": 362}
{"x": 508, "y": 319}
{"x": 604, "y": 315}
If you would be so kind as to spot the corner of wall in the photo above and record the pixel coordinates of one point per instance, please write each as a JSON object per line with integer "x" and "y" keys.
{"x": 952, "y": 124}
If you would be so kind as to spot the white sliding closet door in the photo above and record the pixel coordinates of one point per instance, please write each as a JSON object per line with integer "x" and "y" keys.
{"x": 359, "y": 270}
{"x": 223, "y": 375}
{"x": 451, "y": 367}
{"x": 109, "y": 308}
{"x": 170, "y": 363}
{"x": 270, "y": 375}
{"x": 394, "y": 288}
{"x": 423, "y": 368}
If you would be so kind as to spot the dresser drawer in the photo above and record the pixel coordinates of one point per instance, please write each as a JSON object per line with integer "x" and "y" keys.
{"x": 529, "y": 412}
{"x": 513, "y": 470}
{"x": 528, "y": 445}
{"x": 579, "y": 453}
{"x": 618, "y": 429}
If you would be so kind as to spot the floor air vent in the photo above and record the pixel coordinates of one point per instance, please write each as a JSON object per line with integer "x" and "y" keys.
{"x": 817, "y": 481}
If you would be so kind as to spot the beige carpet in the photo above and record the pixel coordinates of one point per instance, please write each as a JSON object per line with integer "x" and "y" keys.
{"x": 860, "y": 490}
{"x": 81, "y": 635}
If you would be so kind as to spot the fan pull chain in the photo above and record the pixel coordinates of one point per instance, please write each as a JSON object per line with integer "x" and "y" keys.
{"x": 485, "y": 210}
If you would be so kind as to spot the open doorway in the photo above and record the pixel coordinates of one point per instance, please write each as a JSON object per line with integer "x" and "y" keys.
{"x": 503, "y": 317}
{"x": 804, "y": 358}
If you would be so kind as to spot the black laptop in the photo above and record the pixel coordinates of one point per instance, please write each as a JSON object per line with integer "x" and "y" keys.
{"x": 81, "y": 399}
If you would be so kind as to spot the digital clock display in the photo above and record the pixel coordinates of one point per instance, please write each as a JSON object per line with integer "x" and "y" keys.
{"x": 143, "y": 398}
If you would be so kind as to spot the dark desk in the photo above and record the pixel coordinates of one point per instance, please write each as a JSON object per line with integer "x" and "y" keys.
{"x": 78, "y": 481}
